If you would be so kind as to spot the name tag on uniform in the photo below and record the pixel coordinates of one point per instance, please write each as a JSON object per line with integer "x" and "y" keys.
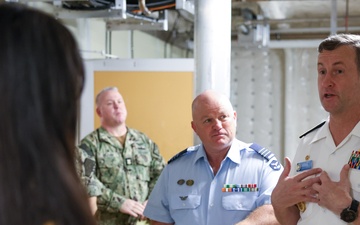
{"x": 306, "y": 165}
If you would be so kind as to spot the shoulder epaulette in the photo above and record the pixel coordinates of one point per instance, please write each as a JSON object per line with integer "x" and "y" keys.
{"x": 267, "y": 154}
{"x": 317, "y": 127}
{"x": 183, "y": 152}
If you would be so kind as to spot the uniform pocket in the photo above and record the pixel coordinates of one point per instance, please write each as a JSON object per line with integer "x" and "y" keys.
{"x": 142, "y": 164}
{"x": 244, "y": 202}
{"x": 109, "y": 165}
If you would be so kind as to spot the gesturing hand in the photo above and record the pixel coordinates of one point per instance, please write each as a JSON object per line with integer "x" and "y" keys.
{"x": 292, "y": 190}
{"x": 334, "y": 196}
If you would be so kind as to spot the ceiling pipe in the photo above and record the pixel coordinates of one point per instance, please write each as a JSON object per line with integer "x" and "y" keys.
{"x": 274, "y": 44}
{"x": 312, "y": 30}
{"x": 299, "y": 20}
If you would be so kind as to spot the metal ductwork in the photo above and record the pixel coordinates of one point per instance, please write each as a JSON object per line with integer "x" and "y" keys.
{"x": 139, "y": 6}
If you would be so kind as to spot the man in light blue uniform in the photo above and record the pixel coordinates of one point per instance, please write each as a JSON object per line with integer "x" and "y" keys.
{"x": 223, "y": 181}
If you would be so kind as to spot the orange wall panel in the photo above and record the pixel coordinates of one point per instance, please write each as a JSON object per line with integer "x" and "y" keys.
{"x": 158, "y": 104}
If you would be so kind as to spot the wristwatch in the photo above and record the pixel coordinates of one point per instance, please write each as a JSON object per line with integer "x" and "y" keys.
{"x": 350, "y": 213}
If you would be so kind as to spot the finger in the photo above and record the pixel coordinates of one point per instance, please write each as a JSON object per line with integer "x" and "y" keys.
{"x": 145, "y": 203}
{"x": 139, "y": 209}
{"x": 308, "y": 173}
{"x": 310, "y": 181}
{"x": 286, "y": 170}
{"x": 316, "y": 187}
{"x": 324, "y": 177}
{"x": 133, "y": 213}
{"x": 344, "y": 174}
{"x": 142, "y": 217}
{"x": 313, "y": 193}
{"x": 310, "y": 194}
{"x": 310, "y": 198}
{"x": 308, "y": 191}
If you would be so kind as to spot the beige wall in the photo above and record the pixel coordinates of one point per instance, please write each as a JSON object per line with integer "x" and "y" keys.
{"x": 158, "y": 104}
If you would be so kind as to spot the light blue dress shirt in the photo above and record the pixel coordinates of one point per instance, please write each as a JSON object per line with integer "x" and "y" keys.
{"x": 176, "y": 200}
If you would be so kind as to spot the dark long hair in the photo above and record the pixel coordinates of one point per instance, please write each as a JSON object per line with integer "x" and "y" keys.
{"x": 41, "y": 80}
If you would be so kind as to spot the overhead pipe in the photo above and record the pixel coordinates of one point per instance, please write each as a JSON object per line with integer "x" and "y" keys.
{"x": 312, "y": 30}
{"x": 297, "y": 20}
{"x": 143, "y": 8}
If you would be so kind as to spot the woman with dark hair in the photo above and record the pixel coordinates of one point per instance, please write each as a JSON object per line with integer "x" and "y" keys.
{"x": 41, "y": 80}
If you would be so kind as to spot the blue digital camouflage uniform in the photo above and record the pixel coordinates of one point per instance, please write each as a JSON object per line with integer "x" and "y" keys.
{"x": 115, "y": 173}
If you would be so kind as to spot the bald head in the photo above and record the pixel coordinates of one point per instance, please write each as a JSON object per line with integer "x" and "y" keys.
{"x": 214, "y": 120}
{"x": 208, "y": 98}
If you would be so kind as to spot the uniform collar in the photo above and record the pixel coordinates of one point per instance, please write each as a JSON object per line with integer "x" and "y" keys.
{"x": 200, "y": 154}
{"x": 356, "y": 130}
{"x": 105, "y": 136}
{"x": 233, "y": 153}
{"x": 324, "y": 132}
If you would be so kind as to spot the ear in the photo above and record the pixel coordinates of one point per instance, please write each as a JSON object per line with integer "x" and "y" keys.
{"x": 193, "y": 126}
{"x": 235, "y": 118}
{"x": 98, "y": 112}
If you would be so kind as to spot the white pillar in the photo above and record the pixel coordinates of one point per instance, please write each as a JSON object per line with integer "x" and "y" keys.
{"x": 212, "y": 45}
{"x": 333, "y": 17}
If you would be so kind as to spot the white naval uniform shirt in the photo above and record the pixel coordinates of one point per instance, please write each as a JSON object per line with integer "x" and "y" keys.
{"x": 319, "y": 145}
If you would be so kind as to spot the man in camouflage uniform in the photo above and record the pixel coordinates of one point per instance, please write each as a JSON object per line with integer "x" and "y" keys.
{"x": 119, "y": 165}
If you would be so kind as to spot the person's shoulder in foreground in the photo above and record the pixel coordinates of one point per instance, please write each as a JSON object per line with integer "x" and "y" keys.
{"x": 324, "y": 186}
{"x": 222, "y": 180}
{"x": 41, "y": 80}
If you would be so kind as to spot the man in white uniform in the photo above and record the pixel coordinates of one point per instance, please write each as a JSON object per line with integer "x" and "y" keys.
{"x": 324, "y": 182}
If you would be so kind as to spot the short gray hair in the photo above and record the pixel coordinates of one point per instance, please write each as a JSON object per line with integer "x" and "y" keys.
{"x": 97, "y": 100}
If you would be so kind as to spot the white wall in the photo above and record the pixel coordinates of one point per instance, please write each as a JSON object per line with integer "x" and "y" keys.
{"x": 274, "y": 92}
